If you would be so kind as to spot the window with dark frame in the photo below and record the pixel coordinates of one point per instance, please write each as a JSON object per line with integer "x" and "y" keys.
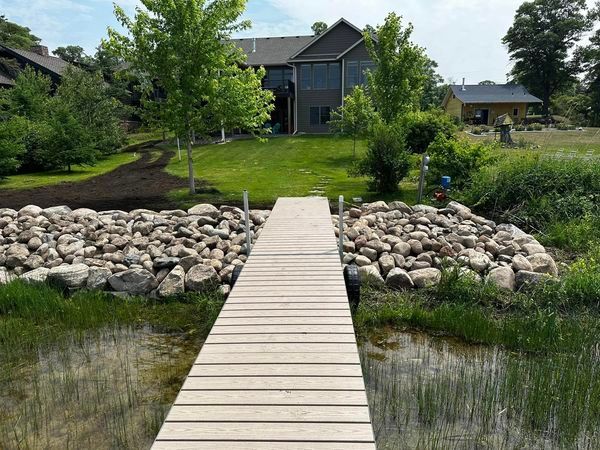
{"x": 315, "y": 114}
{"x": 325, "y": 115}
{"x": 515, "y": 111}
{"x": 334, "y": 76}
{"x": 320, "y": 115}
{"x": 352, "y": 78}
{"x": 319, "y": 76}
{"x": 306, "y": 76}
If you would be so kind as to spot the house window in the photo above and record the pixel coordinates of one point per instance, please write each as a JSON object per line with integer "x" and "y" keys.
{"x": 515, "y": 112}
{"x": 334, "y": 76}
{"x": 320, "y": 76}
{"x": 365, "y": 66}
{"x": 352, "y": 78}
{"x": 305, "y": 76}
{"x": 320, "y": 115}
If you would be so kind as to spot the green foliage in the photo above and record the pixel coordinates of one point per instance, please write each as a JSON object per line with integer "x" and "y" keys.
{"x": 575, "y": 235}
{"x": 67, "y": 142}
{"x": 589, "y": 57}
{"x": 539, "y": 42}
{"x": 421, "y": 128}
{"x": 434, "y": 88}
{"x": 534, "y": 192}
{"x": 459, "y": 159}
{"x": 396, "y": 84}
{"x": 534, "y": 127}
{"x": 386, "y": 162}
{"x": 16, "y": 36}
{"x": 29, "y": 96}
{"x": 355, "y": 117}
{"x": 89, "y": 99}
{"x": 318, "y": 28}
{"x": 12, "y": 144}
{"x": 73, "y": 54}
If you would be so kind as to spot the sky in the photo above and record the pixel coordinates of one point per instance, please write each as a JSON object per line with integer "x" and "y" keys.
{"x": 463, "y": 36}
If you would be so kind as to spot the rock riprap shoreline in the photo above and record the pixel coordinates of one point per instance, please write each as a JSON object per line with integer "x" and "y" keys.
{"x": 167, "y": 253}
{"x": 138, "y": 252}
{"x": 406, "y": 247}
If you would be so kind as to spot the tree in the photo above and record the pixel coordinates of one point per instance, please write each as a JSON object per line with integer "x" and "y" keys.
{"x": 12, "y": 144}
{"x": 355, "y": 117}
{"x": 589, "y": 57}
{"x": 422, "y": 127}
{"x": 181, "y": 47}
{"x": 386, "y": 162}
{"x": 318, "y": 27}
{"x": 89, "y": 100}
{"x": 396, "y": 84}
{"x": 73, "y": 54}
{"x": 487, "y": 83}
{"x": 30, "y": 94}
{"x": 539, "y": 42}
{"x": 434, "y": 88}
{"x": 16, "y": 36}
{"x": 240, "y": 101}
{"x": 67, "y": 142}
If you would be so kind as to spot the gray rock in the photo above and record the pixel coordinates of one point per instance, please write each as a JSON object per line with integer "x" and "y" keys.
{"x": 83, "y": 213}
{"x": 543, "y": 263}
{"x": 5, "y": 276}
{"x": 524, "y": 278}
{"x": 204, "y": 209}
{"x": 29, "y": 210}
{"x": 201, "y": 278}
{"x": 399, "y": 279}
{"x": 38, "y": 275}
{"x": 370, "y": 275}
{"x": 387, "y": 263}
{"x": 519, "y": 262}
{"x": 376, "y": 207}
{"x": 369, "y": 253}
{"x": 402, "y": 248}
{"x": 479, "y": 262}
{"x": 166, "y": 262}
{"x": 362, "y": 261}
{"x": 503, "y": 277}
{"x": 98, "y": 278}
{"x": 16, "y": 255}
{"x": 60, "y": 210}
{"x": 425, "y": 277}
{"x": 400, "y": 206}
{"x": 133, "y": 281}
{"x": 533, "y": 249}
{"x": 71, "y": 276}
{"x": 173, "y": 283}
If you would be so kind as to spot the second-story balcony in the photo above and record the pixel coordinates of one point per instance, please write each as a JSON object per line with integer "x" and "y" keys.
{"x": 281, "y": 88}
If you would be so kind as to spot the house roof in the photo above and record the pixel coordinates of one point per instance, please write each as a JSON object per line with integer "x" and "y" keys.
{"x": 271, "y": 51}
{"x": 324, "y": 33}
{"x": 49, "y": 63}
{"x": 496, "y": 93}
{"x": 6, "y": 80}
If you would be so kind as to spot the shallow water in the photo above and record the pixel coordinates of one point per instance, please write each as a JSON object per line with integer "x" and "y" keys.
{"x": 106, "y": 389}
{"x": 430, "y": 392}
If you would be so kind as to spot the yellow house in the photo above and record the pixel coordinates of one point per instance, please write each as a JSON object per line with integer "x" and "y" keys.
{"x": 482, "y": 104}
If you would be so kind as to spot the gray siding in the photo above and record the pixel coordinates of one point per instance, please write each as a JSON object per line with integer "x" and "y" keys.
{"x": 358, "y": 53}
{"x": 333, "y": 43}
{"x": 306, "y": 99}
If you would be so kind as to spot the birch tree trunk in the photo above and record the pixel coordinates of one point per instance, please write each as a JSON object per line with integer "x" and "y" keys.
{"x": 190, "y": 165}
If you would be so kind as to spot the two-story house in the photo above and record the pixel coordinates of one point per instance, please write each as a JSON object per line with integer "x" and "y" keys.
{"x": 309, "y": 75}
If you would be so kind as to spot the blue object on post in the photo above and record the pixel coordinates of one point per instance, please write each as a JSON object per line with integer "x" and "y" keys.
{"x": 446, "y": 182}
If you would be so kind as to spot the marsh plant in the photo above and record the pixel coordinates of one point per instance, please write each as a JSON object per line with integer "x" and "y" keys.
{"x": 429, "y": 392}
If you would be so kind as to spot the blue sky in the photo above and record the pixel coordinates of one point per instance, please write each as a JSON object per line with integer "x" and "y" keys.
{"x": 461, "y": 35}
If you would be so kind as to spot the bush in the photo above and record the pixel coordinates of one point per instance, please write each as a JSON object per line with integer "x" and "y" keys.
{"x": 477, "y": 130}
{"x": 386, "y": 162}
{"x": 12, "y": 144}
{"x": 519, "y": 127}
{"x": 459, "y": 159}
{"x": 421, "y": 128}
{"x": 535, "y": 193}
{"x": 565, "y": 126}
{"x": 535, "y": 127}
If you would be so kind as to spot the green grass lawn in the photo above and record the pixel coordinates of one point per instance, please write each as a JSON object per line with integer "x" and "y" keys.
{"x": 282, "y": 166}
{"x": 554, "y": 140}
{"x": 79, "y": 173}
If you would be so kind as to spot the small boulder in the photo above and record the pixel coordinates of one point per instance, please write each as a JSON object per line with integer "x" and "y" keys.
{"x": 519, "y": 262}
{"x": 533, "y": 249}
{"x": 29, "y": 210}
{"x": 370, "y": 275}
{"x": 98, "y": 278}
{"x": 543, "y": 263}
{"x": 425, "y": 277}
{"x": 71, "y": 276}
{"x": 399, "y": 279}
{"x": 200, "y": 278}
{"x": 400, "y": 206}
{"x": 204, "y": 209}
{"x": 38, "y": 275}
{"x": 133, "y": 281}
{"x": 503, "y": 277}
{"x": 173, "y": 283}
{"x": 524, "y": 278}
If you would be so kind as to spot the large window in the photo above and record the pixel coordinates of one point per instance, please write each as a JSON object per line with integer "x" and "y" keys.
{"x": 305, "y": 76}
{"x": 320, "y": 115}
{"x": 277, "y": 78}
{"x": 356, "y": 72}
{"x": 320, "y": 76}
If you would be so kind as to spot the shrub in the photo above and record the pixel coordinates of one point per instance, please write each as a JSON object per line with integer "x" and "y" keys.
{"x": 477, "y": 130}
{"x": 386, "y": 162}
{"x": 456, "y": 158}
{"x": 564, "y": 126}
{"x": 534, "y": 193}
{"x": 535, "y": 127}
{"x": 519, "y": 127}
{"x": 575, "y": 235}
{"x": 421, "y": 128}
{"x": 12, "y": 144}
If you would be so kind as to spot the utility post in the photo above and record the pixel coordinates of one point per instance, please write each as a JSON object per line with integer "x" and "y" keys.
{"x": 424, "y": 170}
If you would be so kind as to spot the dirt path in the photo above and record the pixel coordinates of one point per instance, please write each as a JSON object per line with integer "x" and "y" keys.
{"x": 140, "y": 184}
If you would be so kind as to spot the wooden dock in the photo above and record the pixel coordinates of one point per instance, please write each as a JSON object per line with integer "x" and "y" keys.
{"x": 280, "y": 368}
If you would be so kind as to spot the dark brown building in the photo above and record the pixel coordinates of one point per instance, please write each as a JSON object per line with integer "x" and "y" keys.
{"x": 38, "y": 58}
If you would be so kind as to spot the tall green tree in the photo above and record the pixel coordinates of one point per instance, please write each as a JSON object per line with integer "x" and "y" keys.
{"x": 182, "y": 46}
{"x": 73, "y": 54}
{"x": 318, "y": 27}
{"x": 29, "y": 96}
{"x": 89, "y": 100}
{"x": 540, "y": 41}
{"x": 434, "y": 88}
{"x": 16, "y": 36}
{"x": 589, "y": 56}
{"x": 12, "y": 144}
{"x": 355, "y": 117}
{"x": 396, "y": 84}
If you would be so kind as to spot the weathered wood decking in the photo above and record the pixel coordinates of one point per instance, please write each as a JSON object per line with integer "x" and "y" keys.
{"x": 280, "y": 368}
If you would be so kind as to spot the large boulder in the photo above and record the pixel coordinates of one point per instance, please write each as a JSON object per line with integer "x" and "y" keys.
{"x": 204, "y": 209}
{"x": 399, "y": 279}
{"x": 503, "y": 277}
{"x": 173, "y": 283}
{"x": 71, "y": 276}
{"x": 134, "y": 281}
{"x": 98, "y": 278}
{"x": 519, "y": 262}
{"x": 29, "y": 210}
{"x": 425, "y": 277}
{"x": 60, "y": 210}
{"x": 201, "y": 278}
{"x": 376, "y": 207}
{"x": 525, "y": 278}
{"x": 38, "y": 275}
{"x": 400, "y": 206}
{"x": 370, "y": 275}
{"x": 543, "y": 263}
{"x": 5, "y": 276}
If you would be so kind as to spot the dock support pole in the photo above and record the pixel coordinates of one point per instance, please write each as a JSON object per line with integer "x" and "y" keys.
{"x": 341, "y": 227}
{"x": 247, "y": 219}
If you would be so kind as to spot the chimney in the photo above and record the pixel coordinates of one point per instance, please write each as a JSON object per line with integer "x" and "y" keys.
{"x": 40, "y": 50}
{"x": 253, "y": 45}
{"x": 463, "y": 88}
